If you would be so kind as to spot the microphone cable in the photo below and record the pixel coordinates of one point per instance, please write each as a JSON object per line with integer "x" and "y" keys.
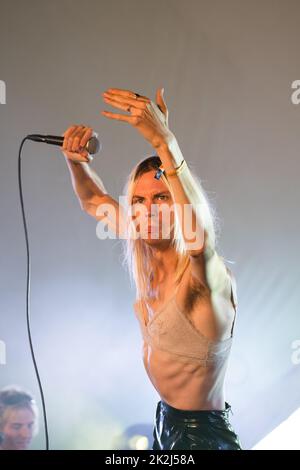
{"x": 28, "y": 299}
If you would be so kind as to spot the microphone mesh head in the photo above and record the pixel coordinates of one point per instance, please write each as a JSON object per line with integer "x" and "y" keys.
{"x": 93, "y": 146}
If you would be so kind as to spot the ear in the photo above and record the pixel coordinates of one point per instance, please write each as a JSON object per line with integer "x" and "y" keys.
{"x": 160, "y": 101}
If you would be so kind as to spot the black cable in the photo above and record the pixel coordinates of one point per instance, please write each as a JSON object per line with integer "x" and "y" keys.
{"x": 28, "y": 299}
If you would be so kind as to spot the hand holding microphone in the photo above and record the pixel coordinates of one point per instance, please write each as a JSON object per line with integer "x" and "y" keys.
{"x": 79, "y": 143}
{"x": 75, "y": 144}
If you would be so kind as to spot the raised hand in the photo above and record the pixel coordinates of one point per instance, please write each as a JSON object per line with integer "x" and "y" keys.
{"x": 149, "y": 118}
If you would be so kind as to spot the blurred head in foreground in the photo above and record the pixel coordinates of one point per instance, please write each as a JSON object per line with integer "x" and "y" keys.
{"x": 18, "y": 419}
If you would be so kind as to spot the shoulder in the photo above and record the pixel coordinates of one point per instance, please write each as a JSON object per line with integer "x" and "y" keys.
{"x": 233, "y": 286}
{"x": 217, "y": 274}
{"x": 220, "y": 279}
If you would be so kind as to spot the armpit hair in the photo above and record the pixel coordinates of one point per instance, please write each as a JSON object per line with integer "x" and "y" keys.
{"x": 197, "y": 291}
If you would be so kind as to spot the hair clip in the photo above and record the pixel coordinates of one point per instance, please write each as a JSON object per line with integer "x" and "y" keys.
{"x": 159, "y": 172}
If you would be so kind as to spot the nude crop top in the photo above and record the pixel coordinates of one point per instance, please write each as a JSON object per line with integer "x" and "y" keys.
{"x": 170, "y": 330}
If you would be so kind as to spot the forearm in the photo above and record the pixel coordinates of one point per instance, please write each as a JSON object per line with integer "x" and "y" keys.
{"x": 85, "y": 181}
{"x": 191, "y": 203}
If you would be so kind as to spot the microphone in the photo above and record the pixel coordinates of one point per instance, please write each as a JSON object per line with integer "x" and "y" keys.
{"x": 93, "y": 145}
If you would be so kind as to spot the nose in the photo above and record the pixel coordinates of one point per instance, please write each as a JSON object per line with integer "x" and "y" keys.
{"x": 151, "y": 208}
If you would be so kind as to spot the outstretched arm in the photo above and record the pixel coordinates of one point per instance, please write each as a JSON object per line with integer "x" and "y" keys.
{"x": 88, "y": 186}
{"x": 151, "y": 120}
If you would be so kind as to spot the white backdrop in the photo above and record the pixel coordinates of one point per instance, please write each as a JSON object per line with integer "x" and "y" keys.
{"x": 227, "y": 69}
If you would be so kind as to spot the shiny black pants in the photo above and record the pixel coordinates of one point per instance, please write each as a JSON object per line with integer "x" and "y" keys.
{"x": 193, "y": 430}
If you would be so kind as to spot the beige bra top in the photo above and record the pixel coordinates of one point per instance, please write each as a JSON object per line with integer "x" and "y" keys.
{"x": 172, "y": 331}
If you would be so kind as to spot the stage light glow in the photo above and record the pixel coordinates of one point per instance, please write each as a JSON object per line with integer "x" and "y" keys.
{"x": 139, "y": 442}
{"x": 283, "y": 437}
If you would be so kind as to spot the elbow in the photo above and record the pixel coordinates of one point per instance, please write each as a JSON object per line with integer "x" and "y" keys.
{"x": 87, "y": 207}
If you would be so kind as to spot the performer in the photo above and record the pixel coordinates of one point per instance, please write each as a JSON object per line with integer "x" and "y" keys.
{"x": 185, "y": 295}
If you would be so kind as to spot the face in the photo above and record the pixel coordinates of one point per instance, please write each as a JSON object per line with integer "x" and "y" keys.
{"x": 151, "y": 204}
{"x": 18, "y": 428}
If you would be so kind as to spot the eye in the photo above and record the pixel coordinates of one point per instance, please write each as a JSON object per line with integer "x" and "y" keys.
{"x": 137, "y": 201}
{"x": 163, "y": 197}
{"x": 16, "y": 426}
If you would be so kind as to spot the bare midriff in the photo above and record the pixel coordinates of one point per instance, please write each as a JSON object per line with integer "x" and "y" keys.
{"x": 182, "y": 383}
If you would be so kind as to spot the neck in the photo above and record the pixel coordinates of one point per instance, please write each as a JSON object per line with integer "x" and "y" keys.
{"x": 165, "y": 261}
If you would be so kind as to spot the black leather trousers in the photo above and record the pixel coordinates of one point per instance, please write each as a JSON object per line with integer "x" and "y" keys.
{"x": 193, "y": 430}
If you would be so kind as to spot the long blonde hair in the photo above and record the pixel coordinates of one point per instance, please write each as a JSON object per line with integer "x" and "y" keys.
{"x": 137, "y": 255}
